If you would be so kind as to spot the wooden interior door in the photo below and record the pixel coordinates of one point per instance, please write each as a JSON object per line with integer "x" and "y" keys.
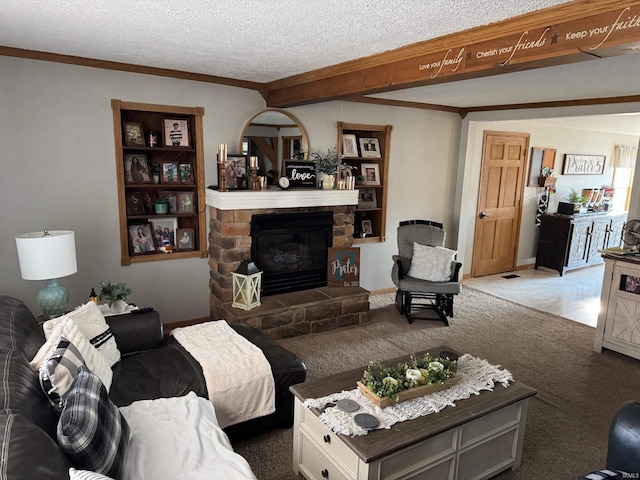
{"x": 495, "y": 245}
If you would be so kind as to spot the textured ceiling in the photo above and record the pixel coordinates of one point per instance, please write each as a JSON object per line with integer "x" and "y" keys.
{"x": 255, "y": 40}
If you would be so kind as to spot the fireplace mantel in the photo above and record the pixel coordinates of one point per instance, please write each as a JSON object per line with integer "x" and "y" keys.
{"x": 275, "y": 198}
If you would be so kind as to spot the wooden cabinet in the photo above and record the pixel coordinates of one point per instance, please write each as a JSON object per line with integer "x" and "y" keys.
{"x": 566, "y": 242}
{"x": 169, "y": 165}
{"x": 619, "y": 318}
{"x": 371, "y": 213}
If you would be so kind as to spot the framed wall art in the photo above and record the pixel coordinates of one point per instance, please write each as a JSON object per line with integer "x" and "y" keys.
{"x": 367, "y": 227}
{"x": 541, "y": 158}
{"x": 371, "y": 172}
{"x": 367, "y": 198}
{"x": 343, "y": 268}
{"x": 170, "y": 172}
{"x": 349, "y": 145}
{"x": 173, "y": 200}
{"x": 184, "y": 239}
{"x": 135, "y": 204}
{"x": 133, "y": 134}
{"x": 578, "y": 164}
{"x": 136, "y": 168}
{"x": 186, "y": 173}
{"x": 185, "y": 202}
{"x": 141, "y": 239}
{"x": 235, "y": 169}
{"x": 176, "y": 132}
{"x": 369, "y": 148}
{"x": 164, "y": 230}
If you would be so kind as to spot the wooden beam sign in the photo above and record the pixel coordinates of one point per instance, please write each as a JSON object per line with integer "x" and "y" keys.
{"x": 610, "y": 33}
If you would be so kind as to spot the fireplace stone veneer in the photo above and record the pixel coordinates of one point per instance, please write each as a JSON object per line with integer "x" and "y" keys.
{"x": 288, "y": 314}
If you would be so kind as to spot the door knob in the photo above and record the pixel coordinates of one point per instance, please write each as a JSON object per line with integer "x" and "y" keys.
{"x": 483, "y": 215}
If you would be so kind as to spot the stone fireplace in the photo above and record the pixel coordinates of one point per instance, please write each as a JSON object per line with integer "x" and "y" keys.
{"x": 292, "y": 311}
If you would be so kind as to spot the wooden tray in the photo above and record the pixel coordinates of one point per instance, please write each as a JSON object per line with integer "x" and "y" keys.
{"x": 415, "y": 392}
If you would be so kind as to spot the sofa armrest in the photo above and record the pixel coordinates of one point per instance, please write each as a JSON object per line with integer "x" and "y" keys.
{"x": 136, "y": 333}
{"x": 623, "y": 451}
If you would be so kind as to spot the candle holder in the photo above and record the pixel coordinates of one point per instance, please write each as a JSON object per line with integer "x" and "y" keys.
{"x": 255, "y": 180}
{"x": 222, "y": 161}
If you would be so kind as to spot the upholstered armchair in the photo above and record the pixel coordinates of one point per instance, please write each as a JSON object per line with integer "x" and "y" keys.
{"x": 424, "y": 272}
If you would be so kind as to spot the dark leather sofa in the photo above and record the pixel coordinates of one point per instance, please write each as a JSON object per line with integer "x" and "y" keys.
{"x": 152, "y": 366}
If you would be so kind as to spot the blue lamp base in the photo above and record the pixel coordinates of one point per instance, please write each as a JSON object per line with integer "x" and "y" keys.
{"x": 53, "y": 299}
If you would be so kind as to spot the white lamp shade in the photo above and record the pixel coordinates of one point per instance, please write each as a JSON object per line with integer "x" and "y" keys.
{"x": 44, "y": 257}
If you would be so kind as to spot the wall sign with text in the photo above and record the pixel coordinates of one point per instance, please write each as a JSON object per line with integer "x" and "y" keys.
{"x": 343, "y": 269}
{"x": 583, "y": 164}
{"x": 301, "y": 174}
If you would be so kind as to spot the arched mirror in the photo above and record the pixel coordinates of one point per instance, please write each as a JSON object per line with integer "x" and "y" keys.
{"x": 274, "y": 136}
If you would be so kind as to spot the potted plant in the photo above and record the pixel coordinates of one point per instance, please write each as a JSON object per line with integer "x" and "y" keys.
{"x": 326, "y": 166}
{"x": 577, "y": 200}
{"x": 155, "y": 168}
{"x": 116, "y": 295}
{"x": 161, "y": 205}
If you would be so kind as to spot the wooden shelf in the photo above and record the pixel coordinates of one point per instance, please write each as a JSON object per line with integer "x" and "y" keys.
{"x": 377, "y": 216}
{"x": 151, "y": 118}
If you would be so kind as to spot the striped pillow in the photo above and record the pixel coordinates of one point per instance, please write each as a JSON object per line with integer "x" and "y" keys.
{"x": 91, "y": 431}
{"x": 86, "y": 475}
{"x": 58, "y": 372}
{"x": 94, "y": 327}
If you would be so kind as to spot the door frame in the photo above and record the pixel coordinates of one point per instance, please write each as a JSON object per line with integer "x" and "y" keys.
{"x": 523, "y": 183}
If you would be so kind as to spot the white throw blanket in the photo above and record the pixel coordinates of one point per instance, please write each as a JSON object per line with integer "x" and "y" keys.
{"x": 238, "y": 376}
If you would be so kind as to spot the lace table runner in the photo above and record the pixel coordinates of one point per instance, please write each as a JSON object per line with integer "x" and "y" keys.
{"x": 477, "y": 375}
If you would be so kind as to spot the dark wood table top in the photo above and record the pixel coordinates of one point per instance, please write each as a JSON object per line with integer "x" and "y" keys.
{"x": 378, "y": 443}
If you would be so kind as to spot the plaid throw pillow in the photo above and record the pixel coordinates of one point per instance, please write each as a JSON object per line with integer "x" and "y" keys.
{"x": 91, "y": 430}
{"x": 58, "y": 372}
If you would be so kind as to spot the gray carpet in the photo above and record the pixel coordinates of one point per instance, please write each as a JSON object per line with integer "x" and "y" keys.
{"x": 578, "y": 390}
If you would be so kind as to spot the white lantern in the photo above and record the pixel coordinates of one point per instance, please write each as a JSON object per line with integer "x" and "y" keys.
{"x": 247, "y": 282}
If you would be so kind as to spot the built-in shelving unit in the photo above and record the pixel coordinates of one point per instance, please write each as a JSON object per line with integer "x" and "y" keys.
{"x": 372, "y": 199}
{"x": 150, "y": 165}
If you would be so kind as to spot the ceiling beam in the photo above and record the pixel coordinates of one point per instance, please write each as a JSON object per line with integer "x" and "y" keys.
{"x": 572, "y": 32}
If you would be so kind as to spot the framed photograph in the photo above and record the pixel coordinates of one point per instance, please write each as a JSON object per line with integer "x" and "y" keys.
{"x": 369, "y": 148}
{"x": 133, "y": 134}
{"x": 164, "y": 231}
{"x": 136, "y": 168}
{"x": 170, "y": 173}
{"x": 349, "y": 145}
{"x": 366, "y": 227}
{"x": 371, "y": 172}
{"x": 185, "y": 239}
{"x": 176, "y": 132}
{"x": 185, "y": 202}
{"x": 173, "y": 200}
{"x": 148, "y": 197}
{"x": 135, "y": 205}
{"x": 141, "y": 239}
{"x": 367, "y": 198}
{"x": 186, "y": 173}
{"x": 583, "y": 164}
{"x": 235, "y": 169}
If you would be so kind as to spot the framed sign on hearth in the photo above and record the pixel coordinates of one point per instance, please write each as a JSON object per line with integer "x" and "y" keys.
{"x": 343, "y": 267}
{"x": 575, "y": 164}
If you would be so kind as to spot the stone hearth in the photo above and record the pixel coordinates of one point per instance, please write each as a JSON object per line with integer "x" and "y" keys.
{"x": 288, "y": 314}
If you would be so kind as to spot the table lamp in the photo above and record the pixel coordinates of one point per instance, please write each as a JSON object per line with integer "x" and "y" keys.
{"x": 48, "y": 255}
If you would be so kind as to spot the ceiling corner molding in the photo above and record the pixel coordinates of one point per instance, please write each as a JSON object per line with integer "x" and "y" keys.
{"x": 576, "y": 31}
{"x": 126, "y": 67}
{"x": 403, "y": 103}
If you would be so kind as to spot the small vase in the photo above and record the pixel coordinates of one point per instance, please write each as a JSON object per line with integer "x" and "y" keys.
{"x": 328, "y": 181}
{"x": 161, "y": 208}
{"x": 119, "y": 306}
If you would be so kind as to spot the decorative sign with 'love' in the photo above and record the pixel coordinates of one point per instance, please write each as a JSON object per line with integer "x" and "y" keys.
{"x": 301, "y": 174}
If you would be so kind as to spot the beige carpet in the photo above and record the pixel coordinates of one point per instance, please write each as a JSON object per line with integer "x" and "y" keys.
{"x": 578, "y": 390}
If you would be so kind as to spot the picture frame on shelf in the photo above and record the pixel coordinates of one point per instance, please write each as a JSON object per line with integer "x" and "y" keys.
{"x": 349, "y": 145}
{"x": 367, "y": 227}
{"x": 141, "y": 239}
{"x": 371, "y": 173}
{"x": 186, "y": 173}
{"x": 235, "y": 169}
{"x": 164, "y": 231}
{"x": 136, "y": 168}
{"x": 185, "y": 239}
{"x": 148, "y": 197}
{"x": 133, "y": 134}
{"x": 135, "y": 204}
{"x": 176, "y": 132}
{"x": 369, "y": 148}
{"x": 185, "y": 202}
{"x": 367, "y": 198}
{"x": 170, "y": 173}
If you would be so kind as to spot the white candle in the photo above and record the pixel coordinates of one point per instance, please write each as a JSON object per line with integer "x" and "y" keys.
{"x": 222, "y": 153}
{"x": 253, "y": 162}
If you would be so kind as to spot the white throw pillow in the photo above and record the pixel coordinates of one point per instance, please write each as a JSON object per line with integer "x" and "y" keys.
{"x": 86, "y": 475}
{"x": 431, "y": 263}
{"x": 94, "y": 327}
{"x": 93, "y": 359}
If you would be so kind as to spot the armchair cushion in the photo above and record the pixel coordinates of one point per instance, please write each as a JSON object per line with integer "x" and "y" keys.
{"x": 431, "y": 263}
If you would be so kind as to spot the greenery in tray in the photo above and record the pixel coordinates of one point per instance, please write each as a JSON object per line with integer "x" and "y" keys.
{"x": 112, "y": 292}
{"x": 325, "y": 163}
{"x": 389, "y": 381}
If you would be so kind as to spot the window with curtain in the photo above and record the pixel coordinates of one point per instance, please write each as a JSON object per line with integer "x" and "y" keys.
{"x": 624, "y": 162}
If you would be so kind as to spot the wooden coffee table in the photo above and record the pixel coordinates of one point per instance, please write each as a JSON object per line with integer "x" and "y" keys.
{"x": 478, "y": 438}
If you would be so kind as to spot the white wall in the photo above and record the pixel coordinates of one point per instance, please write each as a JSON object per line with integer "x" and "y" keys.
{"x": 58, "y": 172}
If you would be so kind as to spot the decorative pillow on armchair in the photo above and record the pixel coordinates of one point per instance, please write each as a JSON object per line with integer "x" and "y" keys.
{"x": 94, "y": 327}
{"x": 431, "y": 263}
{"x": 58, "y": 372}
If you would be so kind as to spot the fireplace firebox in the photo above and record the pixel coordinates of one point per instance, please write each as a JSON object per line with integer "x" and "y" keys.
{"x": 291, "y": 249}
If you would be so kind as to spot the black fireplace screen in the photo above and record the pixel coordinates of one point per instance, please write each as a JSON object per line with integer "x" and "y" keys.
{"x": 291, "y": 249}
